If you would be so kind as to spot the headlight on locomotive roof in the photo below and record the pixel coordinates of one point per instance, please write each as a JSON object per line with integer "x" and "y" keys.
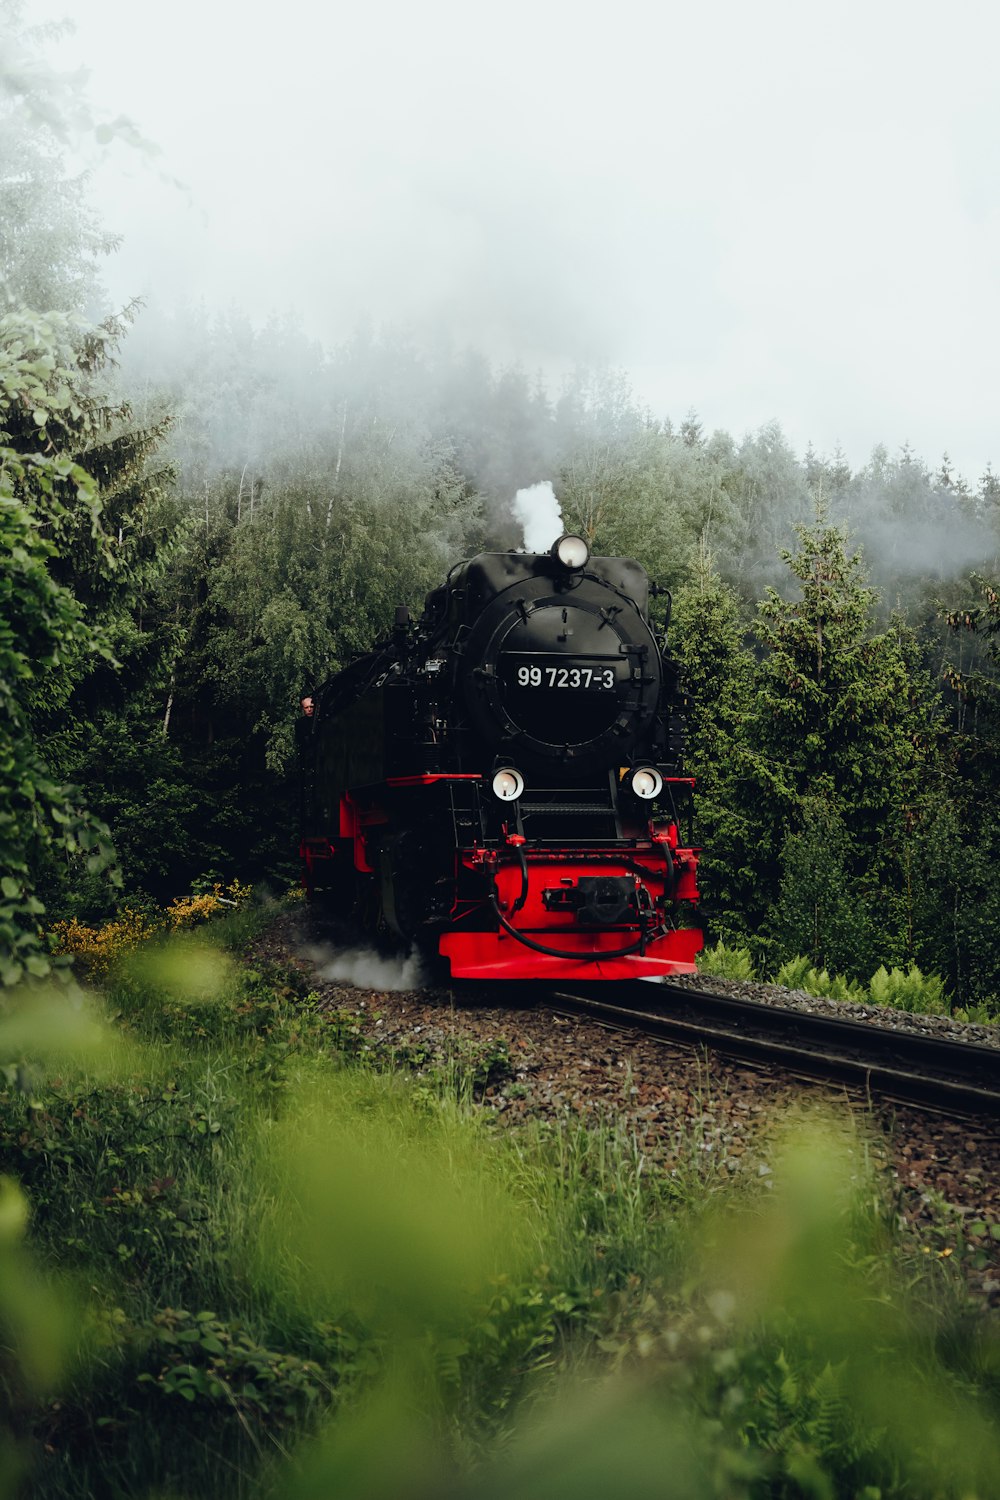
{"x": 508, "y": 784}
{"x": 646, "y": 782}
{"x": 572, "y": 551}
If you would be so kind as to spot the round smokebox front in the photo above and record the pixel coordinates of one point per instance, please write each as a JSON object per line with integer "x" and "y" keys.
{"x": 560, "y": 677}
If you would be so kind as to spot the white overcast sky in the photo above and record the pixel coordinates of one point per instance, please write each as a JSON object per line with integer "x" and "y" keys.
{"x": 768, "y": 209}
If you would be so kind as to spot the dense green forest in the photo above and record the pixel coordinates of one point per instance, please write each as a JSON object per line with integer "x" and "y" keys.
{"x": 201, "y": 518}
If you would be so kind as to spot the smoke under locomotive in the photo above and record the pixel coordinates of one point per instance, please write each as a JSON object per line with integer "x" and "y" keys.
{"x": 500, "y": 783}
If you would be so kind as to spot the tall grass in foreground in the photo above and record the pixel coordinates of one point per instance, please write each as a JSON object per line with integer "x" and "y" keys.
{"x": 259, "y": 1263}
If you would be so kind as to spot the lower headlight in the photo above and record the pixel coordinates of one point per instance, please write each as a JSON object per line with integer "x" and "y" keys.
{"x": 508, "y": 784}
{"x": 646, "y": 782}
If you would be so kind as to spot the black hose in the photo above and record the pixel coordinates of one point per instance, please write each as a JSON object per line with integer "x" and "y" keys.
{"x": 522, "y": 898}
{"x": 590, "y": 958}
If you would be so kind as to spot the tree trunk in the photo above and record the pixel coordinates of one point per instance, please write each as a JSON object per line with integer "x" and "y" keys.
{"x": 170, "y": 704}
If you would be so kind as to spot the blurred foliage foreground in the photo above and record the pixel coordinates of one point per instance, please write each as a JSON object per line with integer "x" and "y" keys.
{"x": 244, "y": 1253}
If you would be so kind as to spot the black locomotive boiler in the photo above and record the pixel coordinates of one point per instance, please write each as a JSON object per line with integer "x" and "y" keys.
{"x": 500, "y": 782}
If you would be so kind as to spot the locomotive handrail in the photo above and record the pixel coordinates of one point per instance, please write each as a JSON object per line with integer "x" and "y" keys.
{"x": 428, "y": 778}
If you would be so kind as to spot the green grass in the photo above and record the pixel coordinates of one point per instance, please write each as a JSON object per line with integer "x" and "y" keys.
{"x": 264, "y": 1258}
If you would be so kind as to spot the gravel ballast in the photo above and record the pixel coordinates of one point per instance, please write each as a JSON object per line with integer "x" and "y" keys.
{"x": 943, "y": 1027}
{"x": 689, "y": 1111}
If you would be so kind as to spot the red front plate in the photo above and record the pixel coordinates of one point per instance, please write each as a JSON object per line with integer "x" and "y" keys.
{"x": 496, "y": 955}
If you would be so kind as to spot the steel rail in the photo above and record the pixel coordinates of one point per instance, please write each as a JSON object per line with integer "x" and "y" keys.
{"x": 905, "y": 1067}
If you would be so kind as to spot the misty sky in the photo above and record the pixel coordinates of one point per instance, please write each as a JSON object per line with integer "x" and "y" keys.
{"x": 761, "y": 210}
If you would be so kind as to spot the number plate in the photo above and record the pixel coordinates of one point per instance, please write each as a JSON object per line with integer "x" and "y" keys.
{"x": 560, "y": 676}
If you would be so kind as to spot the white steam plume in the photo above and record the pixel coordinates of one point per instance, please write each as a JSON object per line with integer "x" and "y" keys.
{"x": 367, "y": 970}
{"x": 538, "y": 511}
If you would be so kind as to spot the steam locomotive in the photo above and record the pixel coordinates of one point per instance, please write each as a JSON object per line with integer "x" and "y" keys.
{"x": 501, "y": 782}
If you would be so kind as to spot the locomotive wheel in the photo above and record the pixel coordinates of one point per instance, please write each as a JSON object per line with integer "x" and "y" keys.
{"x": 338, "y": 895}
{"x": 412, "y": 883}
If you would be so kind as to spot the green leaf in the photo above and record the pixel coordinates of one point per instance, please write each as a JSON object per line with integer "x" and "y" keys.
{"x": 10, "y": 887}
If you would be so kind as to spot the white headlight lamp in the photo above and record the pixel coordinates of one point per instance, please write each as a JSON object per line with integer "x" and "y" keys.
{"x": 572, "y": 551}
{"x": 508, "y": 784}
{"x": 646, "y": 782}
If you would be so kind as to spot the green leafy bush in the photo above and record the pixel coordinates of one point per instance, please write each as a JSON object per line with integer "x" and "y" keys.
{"x": 794, "y": 973}
{"x": 919, "y": 993}
{"x": 913, "y": 991}
{"x": 800, "y": 974}
{"x": 980, "y": 1015}
{"x": 727, "y": 963}
{"x": 205, "y": 1360}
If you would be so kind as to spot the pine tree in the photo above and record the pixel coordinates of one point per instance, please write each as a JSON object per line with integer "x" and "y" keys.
{"x": 818, "y": 915}
{"x": 978, "y": 688}
{"x": 51, "y": 241}
{"x": 85, "y": 509}
{"x": 690, "y": 431}
{"x": 845, "y": 717}
{"x": 717, "y": 674}
{"x": 960, "y": 892}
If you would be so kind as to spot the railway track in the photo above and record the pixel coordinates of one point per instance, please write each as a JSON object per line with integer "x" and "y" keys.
{"x": 904, "y": 1067}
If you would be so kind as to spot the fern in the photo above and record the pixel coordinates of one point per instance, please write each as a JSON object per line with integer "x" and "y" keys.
{"x": 792, "y": 975}
{"x": 727, "y": 963}
{"x": 982, "y": 1015}
{"x": 920, "y": 994}
{"x": 802, "y": 1417}
{"x": 799, "y": 974}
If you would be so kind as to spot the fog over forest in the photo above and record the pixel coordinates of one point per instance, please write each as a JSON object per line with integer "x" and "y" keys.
{"x": 526, "y": 280}
{"x": 257, "y": 401}
{"x": 755, "y": 214}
